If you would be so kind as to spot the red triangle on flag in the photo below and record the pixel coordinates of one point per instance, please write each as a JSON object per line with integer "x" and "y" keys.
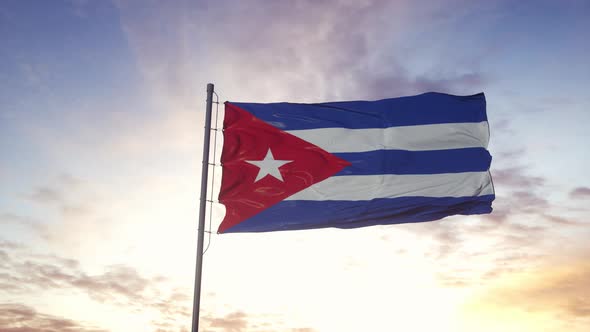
{"x": 263, "y": 165}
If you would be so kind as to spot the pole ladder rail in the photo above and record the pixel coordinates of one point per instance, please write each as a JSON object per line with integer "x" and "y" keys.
{"x": 202, "y": 209}
{"x": 211, "y": 201}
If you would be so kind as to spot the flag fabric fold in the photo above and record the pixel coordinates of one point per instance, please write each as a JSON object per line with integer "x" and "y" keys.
{"x": 290, "y": 166}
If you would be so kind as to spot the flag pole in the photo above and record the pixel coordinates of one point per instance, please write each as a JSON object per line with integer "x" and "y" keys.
{"x": 203, "y": 205}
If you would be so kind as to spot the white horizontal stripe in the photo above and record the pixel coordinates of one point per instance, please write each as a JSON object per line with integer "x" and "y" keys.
{"x": 413, "y": 138}
{"x": 367, "y": 187}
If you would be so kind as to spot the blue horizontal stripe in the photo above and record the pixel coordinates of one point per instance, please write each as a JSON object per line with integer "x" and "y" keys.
{"x": 416, "y": 162}
{"x": 292, "y": 215}
{"x": 428, "y": 108}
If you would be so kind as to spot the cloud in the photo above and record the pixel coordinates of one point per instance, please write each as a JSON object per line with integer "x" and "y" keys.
{"x": 511, "y": 263}
{"x": 517, "y": 193}
{"x": 65, "y": 207}
{"x": 29, "y": 222}
{"x": 498, "y": 252}
{"x": 55, "y": 193}
{"x": 307, "y": 53}
{"x": 46, "y": 195}
{"x": 448, "y": 239}
{"x": 552, "y": 296}
{"x": 26, "y": 273}
{"x": 239, "y": 321}
{"x": 400, "y": 83}
{"x": 118, "y": 284}
{"x": 559, "y": 220}
{"x": 580, "y": 193}
{"x": 9, "y": 244}
{"x": 21, "y": 318}
{"x": 522, "y": 220}
{"x": 522, "y": 194}
{"x": 516, "y": 177}
{"x": 528, "y": 201}
{"x": 232, "y": 322}
{"x": 505, "y": 126}
{"x": 561, "y": 290}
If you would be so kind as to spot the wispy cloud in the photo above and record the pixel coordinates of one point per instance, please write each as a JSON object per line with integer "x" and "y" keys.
{"x": 239, "y": 321}
{"x": 21, "y": 318}
{"x": 559, "y": 290}
{"x": 58, "y": 191}
{"x": 22, "y": 221}
{"x": 232, "y": 322}
{"x": 25, "y": 273}
{"x": 303, "y": 56}
{"x": 46, "y": 195}
{"x": 517, "y": 177}
{"x": 523, "y": 219}
{"x": 580, "y": 193}
{"x": 31, "y": 272}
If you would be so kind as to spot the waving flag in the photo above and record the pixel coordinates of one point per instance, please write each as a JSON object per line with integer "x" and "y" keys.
{"x": 352, "y": 164}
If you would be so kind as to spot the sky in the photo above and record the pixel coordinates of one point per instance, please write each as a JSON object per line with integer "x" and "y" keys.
{"x": 101, "y": 135}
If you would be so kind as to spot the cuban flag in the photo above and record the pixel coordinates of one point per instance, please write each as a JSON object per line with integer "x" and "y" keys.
{"x": 290, "y": 166}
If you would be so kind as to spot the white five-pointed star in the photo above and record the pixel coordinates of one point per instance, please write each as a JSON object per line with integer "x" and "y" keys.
{"x": 269, "y": 166}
